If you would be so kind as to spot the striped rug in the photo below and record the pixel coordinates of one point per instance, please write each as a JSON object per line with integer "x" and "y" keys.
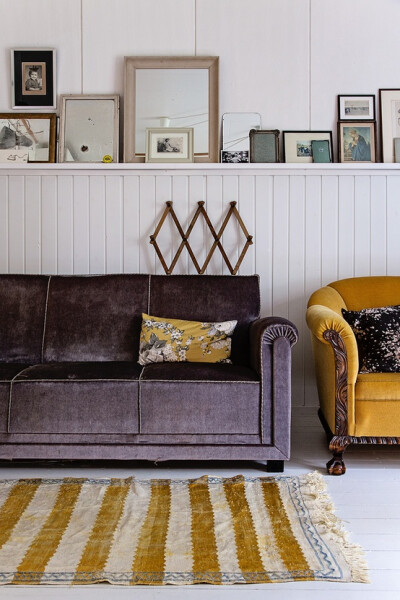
{"x": 163, "y": 531}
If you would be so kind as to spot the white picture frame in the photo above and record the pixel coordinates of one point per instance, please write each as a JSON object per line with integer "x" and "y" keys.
{"x": 169, "y": 144}
{"x": 390, "y": 122}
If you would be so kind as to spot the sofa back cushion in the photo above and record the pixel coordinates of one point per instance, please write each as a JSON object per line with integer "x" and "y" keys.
{"x": 22, "y": 310}
{"x": 95, "y": 318}
{"x": 209, "y": 298}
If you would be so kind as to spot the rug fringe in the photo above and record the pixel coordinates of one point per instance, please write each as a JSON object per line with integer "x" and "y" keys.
{"x": 322, "y": 509}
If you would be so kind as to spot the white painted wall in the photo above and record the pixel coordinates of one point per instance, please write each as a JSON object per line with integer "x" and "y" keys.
{"x": 310, "y": 225}
{"x": 286, "y": 59}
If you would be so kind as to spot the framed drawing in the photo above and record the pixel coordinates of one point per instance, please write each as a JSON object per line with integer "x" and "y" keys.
{"x": 356, "y": 108}
{"x": 28, "y": 137}
{"x": 171, "y": 91}
{"x": 264, "y": 146}
{"x": 169, "y": 144}
{"x": 356, "y": 141}
{"x": 390, "y": 122}
{"x": 33, "y": 78}
{"x": 297, "y": 146}
{"x": 89, "y": 129}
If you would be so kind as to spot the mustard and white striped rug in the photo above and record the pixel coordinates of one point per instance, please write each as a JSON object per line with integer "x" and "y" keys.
{"x": 155, "y": 532}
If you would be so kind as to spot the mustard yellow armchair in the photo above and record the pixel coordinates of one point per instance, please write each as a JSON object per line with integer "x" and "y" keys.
{"x": 355, "y": 408}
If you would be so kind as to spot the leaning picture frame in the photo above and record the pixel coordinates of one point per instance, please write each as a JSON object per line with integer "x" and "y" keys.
{"x": 264, "y": 145}
{"x": 356, "y": 141}
{"x": 28, "y": 137}
{"x": 89, "y": 128}
{"x": 389, "y": 100}
{"x": 33, "y": 78}
{"x": 169, "y": 144}
{"x": 297, "y": 146}
{"x": 356, "y": 107}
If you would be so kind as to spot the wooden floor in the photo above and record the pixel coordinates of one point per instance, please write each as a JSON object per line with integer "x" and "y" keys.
{"x": 367, "y": 498}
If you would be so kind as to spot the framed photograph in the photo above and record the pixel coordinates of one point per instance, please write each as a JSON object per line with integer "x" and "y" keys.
{"x": 28, "y": 137}
{"x": 297, "y": 146}
{"x": 234, "y": 156}
{"x": 169, "y": 144}
{"x": 356, "y": 108}
{"x": 264, "y": 146}
{"x": 33, "y": 78}
{"x": 356, "y": 141}
{"x": 89, "y": 130}
{"x": 390, "y": 122}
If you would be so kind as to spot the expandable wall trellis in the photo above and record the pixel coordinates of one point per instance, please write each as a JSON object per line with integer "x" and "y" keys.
{"x": 232, "y": 212}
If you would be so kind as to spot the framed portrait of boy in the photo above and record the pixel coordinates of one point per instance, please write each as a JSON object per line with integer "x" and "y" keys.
{"x": 33, "y": 78}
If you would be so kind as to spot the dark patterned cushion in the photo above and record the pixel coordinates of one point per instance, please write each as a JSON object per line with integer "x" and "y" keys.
{"x": 377, "y": 332}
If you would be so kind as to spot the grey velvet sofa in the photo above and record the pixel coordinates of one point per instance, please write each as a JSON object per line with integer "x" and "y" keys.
{"x": 71, "y": 386}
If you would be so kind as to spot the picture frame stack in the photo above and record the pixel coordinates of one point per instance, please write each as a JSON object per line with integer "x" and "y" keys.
{"x": 356, "y": 128}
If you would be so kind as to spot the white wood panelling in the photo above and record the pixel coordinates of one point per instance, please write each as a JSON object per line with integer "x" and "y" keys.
{"x": 310, "y": 226}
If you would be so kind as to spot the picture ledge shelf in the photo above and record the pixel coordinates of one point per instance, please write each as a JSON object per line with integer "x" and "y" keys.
{"x": 223, "y": 167}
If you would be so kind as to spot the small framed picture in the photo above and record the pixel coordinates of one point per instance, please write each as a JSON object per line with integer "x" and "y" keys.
{"x": 357, "y": 141}
{"x": 390, "y": 122}
{"x": 89, "y": 130}
{"x": 169, "y": 144}
{"x": 27, "y": 137}
{"x": 264, "y": 146}
{"x": 321, "y": 151}
{"x": 356, "y": 108}
{"x": 234, "y": 156}
{"x": 297, "y": 145}
{"x": 33, "y": 78}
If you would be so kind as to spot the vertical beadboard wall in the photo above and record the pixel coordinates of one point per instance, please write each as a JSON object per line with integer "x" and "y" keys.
{"x": 309, "y": 226}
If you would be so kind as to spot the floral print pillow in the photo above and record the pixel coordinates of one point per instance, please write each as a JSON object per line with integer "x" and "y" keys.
{"x": 377, "y": 332}
{"x": 176, "y": 340}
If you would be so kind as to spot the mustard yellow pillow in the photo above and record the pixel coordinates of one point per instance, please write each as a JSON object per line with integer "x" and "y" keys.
{"x": 176, "y": 340}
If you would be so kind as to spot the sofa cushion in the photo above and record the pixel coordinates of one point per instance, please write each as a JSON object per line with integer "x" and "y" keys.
{"x": 22, "y": 316}
{"x": 377, "y": 331}
{"x": 95, "y": 318}
{"x": 75, "y": 398}
{"x": 177, "y": 340}
{"x": 207, "y": 299}
{"x": 193, "y": 398}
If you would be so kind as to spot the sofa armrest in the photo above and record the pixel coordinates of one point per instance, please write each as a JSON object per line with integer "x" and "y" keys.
{"x": 264, "y": 332}
{"x": 271, "y": 341}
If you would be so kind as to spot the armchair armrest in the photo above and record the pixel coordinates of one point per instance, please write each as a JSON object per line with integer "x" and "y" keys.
{"x": 271, "y": 341}
{"x": 321, "y": 319}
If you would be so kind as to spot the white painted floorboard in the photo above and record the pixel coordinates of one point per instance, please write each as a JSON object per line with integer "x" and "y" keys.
{"x": 366, "y": 498}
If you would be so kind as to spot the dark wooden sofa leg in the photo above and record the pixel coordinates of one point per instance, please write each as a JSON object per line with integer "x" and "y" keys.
{"x": 275, "y": 466}
{"x": 336, "y": 465}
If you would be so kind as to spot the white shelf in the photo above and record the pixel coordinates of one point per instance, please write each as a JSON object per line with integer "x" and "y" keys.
{"x": 248, "y": 168}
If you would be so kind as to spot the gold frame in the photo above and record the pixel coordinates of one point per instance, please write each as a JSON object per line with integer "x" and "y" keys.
{"x": 132, "y": 63}
{"x": 26, "y": 117}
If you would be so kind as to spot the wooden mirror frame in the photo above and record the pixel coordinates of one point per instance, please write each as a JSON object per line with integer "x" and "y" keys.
{"x": 177, "y": 62}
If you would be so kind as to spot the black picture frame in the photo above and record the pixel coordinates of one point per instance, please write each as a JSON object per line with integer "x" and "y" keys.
{"x": 33, "y": 78}
{"x": 264, "y": 145}
{"x": 356, "y": 107}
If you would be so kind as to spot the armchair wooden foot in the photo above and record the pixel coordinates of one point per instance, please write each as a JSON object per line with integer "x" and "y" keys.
{"x": 336, "y": 465}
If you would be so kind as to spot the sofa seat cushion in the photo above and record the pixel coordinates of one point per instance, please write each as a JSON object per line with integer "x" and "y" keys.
{"x": 378, "y": 405}
{"x": 197, "y": 398}
{"x": 9, "y": 370}
{"x": 87, "y": 398}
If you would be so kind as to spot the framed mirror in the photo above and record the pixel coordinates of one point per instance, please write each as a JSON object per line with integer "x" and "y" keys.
{"x": 89, "y": 128}
{"x": 171, "y": 92}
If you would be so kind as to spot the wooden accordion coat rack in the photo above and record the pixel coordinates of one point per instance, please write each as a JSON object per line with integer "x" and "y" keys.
{"x": 232, "y": 213}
